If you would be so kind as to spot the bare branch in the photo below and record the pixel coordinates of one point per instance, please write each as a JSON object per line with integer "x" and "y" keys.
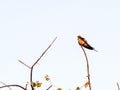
{"x": 13, "y": 85}
{"x": 44, "y": 52}
{"x": 24, "y": 64}
{"x": 88, "y": 72}
{"x": 31, "y": 70}
{"x": 49, "y": 87}
{"x": 5, "y": 84}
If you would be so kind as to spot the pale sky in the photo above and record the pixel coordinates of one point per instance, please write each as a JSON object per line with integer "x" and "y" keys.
{"x": 27, "y": 27}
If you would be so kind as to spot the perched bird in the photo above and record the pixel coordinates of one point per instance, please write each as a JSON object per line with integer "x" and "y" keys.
{"x": 83, "y": 42}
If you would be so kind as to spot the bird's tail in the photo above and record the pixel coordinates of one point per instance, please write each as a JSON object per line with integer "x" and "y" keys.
{"x": 95, "y": 50}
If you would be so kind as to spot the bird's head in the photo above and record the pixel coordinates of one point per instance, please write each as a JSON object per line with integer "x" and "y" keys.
{"x": 79, "y": 36}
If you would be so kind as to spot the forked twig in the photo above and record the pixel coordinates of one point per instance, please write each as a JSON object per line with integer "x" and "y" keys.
{"x": 88, "y": 72}
{"x": 31, "y": 70}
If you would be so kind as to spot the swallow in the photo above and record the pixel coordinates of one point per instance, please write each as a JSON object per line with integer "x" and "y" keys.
{"x": 83, "y": 42}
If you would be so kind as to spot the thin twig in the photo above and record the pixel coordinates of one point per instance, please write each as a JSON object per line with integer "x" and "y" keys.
{"x": 88, "y": 72}
{"x": 118, "y": 86}
{"x": 24, "y": 64}
{"x": 13, "y": 85}
{"x": 49, "y": 87}
{"x": 26, "y": 86}
{"x": 31, "y": 70}
{"x": 5, "y": 84}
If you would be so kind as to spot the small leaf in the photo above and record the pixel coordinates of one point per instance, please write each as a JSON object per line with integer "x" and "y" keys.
{"x": 86, "y": 84}
{"x": 78, "y": 88}
{"x": 33, "y": 84}
{"x": 38, "y": 84}
{"x": 47, "y": 78}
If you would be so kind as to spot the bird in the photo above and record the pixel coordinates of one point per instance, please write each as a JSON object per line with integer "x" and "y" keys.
{"x": 83, "y": 42}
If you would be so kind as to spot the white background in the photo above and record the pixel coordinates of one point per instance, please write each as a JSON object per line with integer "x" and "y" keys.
{"x": 27, "y": 28}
